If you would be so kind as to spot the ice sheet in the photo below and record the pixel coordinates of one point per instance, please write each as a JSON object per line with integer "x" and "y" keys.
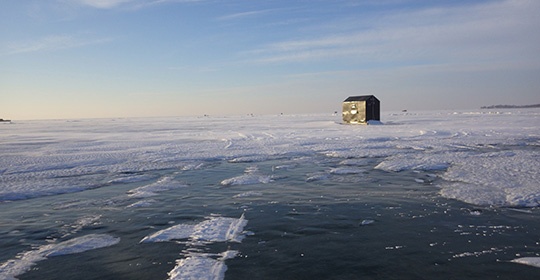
{"x": 347, "y": 170}
{"x": 532, "y": 261}
{"x": 487, "y": 157}
{"x": 251, "y": 176}
{"x": 497, "y": 178}
{"x": 69, "y": 229}
{"x": 214, "y": 229}
{"x": 164, "y": 184}
{"x": 24, "y": 261}
{"x": 248, "y": 194}
{"x": 142, "y": 203}
{"x": 202, "y": 266}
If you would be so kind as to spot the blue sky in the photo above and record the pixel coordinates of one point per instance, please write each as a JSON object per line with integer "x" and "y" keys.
{"x": 137, "y": 58}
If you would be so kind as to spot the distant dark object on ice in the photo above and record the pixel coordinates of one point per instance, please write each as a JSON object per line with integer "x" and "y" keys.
{"x": 510, "y": 106}
{"x": 2, "y": 120}
{"x": 361, "y": 109}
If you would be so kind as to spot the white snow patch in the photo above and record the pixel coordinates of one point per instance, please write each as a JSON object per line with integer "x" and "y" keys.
{"x": 422, "y": 161}
{"x": 317, "y": 176}
{"x": 287, "y": 166}
{"x": 24, "y": 261}
{"x": 367, "y": 150}
{"x": 202, "y": 266}
{"x": 164, "y": 184}
{"x": 215, "y": 229}
{"x": 131, "y": 178}
{"x": 142, "y": 203}
{"x": 532, "y": 261}
{"x": 79, "y": 245}
{"x": 527, "y": 211}
{"x": 248, "y": 194}
{"x": 366, "y": 222}
{"x": 347, "y": 170}
{"x": 355, "y": 162}
{"x": 256, "y": 158}
{"x": 498, "y": 179}
{"x": 193, "y": 166}
{"x": 474, "y": 194}
{"x": 251, "y": 176}
{"x": 70, "y": 229}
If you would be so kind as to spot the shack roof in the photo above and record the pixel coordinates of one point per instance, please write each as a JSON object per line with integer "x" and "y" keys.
{"x": 359, "y": 98}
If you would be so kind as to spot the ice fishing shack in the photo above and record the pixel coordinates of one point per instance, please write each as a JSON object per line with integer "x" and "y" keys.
{"x": 361, "y": 109}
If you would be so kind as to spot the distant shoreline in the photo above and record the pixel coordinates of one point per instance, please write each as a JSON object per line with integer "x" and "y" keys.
{"x": 510, "y": 106}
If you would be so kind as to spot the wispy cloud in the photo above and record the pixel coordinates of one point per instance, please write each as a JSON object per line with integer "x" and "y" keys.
{"x": 245, "y": 14}
{"x": 102, "y": 4}
{"x": 481, "y": 32}
{"x": 143, "y": 4}
{"x": 196, "y": 69}
{"x": 51, "y": 43}
{"x": 132, "y": 4}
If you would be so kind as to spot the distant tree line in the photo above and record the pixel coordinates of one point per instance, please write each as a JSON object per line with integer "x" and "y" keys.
{"x": 510, "y": 106}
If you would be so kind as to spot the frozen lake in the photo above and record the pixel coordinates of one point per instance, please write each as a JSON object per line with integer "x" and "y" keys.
{"x": 446, "y": 195}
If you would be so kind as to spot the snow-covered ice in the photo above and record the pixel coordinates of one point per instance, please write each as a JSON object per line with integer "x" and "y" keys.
{"x": 347, "y": 170}
{"x": 26, "y": 260}
{"x": 248, "y": 194}
{"x": 366, "y": 222}
{"x": 251, "y": 176}
{"x": 214, "y": 229}
{"x": 487, "y": 158}
{"x": 317, "y": 176}
{"x": 298, "y": 178}
{"x": 496, "y": 178}
{"x": 164, "y": 184}
{"x": 532, "y": 261}
{"x": 202, "y": 266}
{"x": 142, "y": 203}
